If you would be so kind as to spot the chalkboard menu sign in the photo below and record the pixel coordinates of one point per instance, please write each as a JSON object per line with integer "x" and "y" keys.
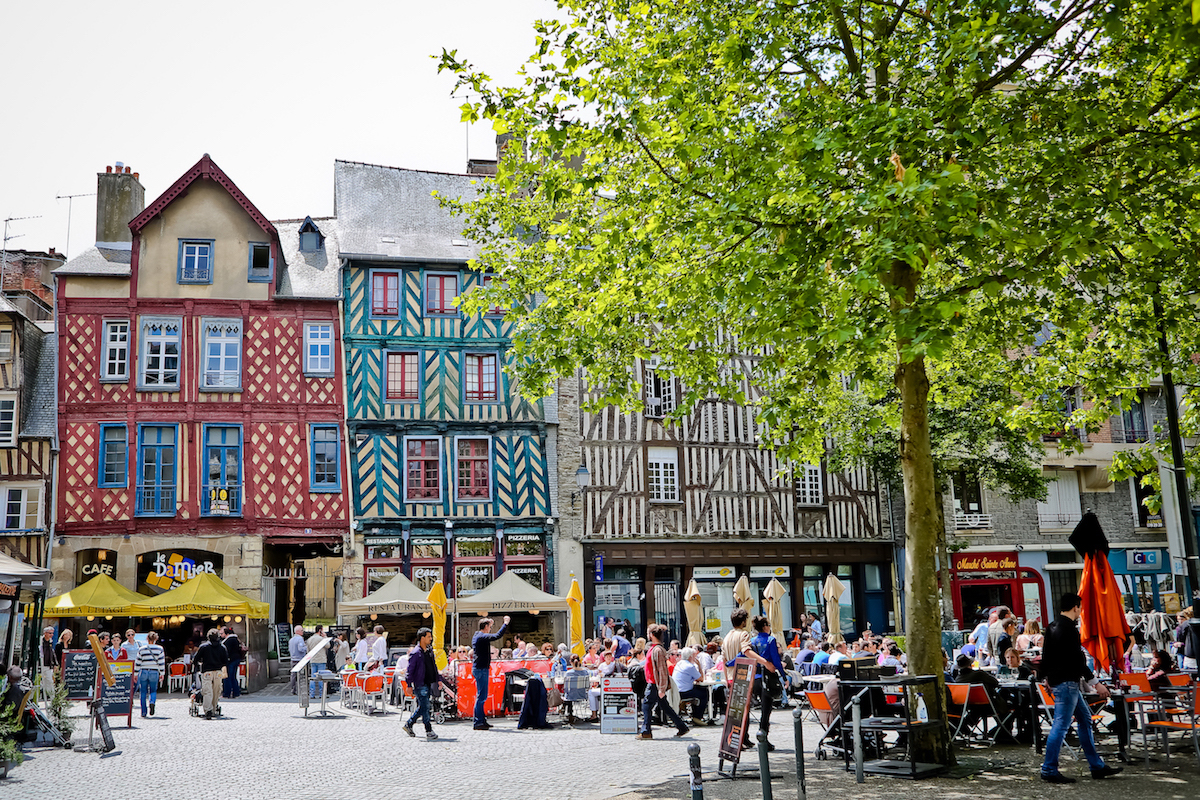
{"x": 117, "y": 700}
{"x": 79, "y": 674}
{"x": 283, "y": 632}
{"x": 737, "y": 713}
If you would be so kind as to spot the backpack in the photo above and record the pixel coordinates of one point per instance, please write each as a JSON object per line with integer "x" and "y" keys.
{"x": 637, "y": 678}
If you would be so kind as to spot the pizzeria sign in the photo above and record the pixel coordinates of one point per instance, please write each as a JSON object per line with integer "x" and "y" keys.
{"x": 981, "y": 562}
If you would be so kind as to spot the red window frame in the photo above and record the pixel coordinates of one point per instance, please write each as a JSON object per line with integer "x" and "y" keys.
{"x": 385, "y": 294}
{"x": 404, "y": 378}
{"x": 438, "y": 300}
{"x": 474, "y": 479}
{"x": 481, "y": 377}
{"x": 494, "y": 311}
{"x": 422, "y": 464}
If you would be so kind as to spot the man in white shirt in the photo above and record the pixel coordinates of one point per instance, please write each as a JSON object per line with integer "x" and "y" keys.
{"x": 840, "y": 651}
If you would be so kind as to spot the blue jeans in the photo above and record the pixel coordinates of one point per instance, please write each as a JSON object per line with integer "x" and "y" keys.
{"x": 230, "y": 686}
{"x": 481, "y": 694}
{"x": 652, "y": 699}
{"x": 1068, "y": 705}
{"x": 422, "y": 695}
{"x": 147, "y": 685}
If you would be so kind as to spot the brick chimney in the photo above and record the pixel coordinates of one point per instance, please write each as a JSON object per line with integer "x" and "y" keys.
{"x": 120, "y": 197}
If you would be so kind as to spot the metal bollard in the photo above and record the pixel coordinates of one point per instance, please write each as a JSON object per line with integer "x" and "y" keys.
{"x": 694, "y": 766}
{"x": 764, "y": 762}
{"x": 801, "y": 788}
{"x": 858, "y": 747}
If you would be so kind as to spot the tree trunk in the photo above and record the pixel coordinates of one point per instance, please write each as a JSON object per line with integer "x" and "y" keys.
{"x": 921, "y": 516}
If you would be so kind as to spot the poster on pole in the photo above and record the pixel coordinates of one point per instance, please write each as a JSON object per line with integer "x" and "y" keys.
{"x": 737, "y": 713}
{"x": 618, "y": 706}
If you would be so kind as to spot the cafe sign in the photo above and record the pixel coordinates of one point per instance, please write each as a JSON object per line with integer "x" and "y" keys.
{"x": 90, "y": 563}
{"x": 984, "y": 562}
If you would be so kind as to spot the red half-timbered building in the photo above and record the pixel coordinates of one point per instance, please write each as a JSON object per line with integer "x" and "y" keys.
{"x": 199, "y": 392}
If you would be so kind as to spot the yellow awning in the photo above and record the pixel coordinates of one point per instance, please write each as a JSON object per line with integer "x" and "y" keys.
{"x": 99, "y": 596}
{"x": 203, "y": 594}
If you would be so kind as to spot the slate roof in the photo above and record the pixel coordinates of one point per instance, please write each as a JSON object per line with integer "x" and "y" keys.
{"x": 40, "y": 403}
{"x": 315, "y": 274}
{"x": 391, "y": 213}
{"x": 102, "y": 261}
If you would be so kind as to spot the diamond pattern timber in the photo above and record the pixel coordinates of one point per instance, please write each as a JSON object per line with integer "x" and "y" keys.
{"x": 263, "y": 465}
{"x": 115, "y": 504}
{"x": 291, "y": 464}
{"x": 288, "y": 367}
{"x": 326, "y": 508}
{"x": 321, "y": 391}
{"x": 80, "y": 359}
{"x": 259, "y": 359}
{"x": 78, "y": 460}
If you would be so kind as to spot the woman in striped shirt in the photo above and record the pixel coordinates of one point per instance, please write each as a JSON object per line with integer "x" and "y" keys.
{"x": 151, "y": 664}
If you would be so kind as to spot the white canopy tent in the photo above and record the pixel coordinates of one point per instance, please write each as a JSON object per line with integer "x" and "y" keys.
{"x": 397, "y": 596}
{"x": 510, "y": 592}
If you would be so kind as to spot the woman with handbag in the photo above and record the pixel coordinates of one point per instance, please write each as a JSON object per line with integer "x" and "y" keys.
{"x": 767, "y": 685}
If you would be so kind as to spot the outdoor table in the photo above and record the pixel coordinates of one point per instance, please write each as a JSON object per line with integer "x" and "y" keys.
{"x": 709, "y": 713}
{"x": 1121, "y": 700}
{"x": 326, "y": 678}
{"x": 1028, "y": 691}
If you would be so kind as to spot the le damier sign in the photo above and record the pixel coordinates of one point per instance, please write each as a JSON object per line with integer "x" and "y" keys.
{"x": 977, "y": 562}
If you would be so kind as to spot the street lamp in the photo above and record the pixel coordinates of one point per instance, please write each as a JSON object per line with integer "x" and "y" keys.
{"x": 582, "y": 479}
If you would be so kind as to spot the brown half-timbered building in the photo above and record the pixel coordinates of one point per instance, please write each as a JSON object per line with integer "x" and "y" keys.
{"x": 200, "y": 393}
{"x": 672, "y": 499}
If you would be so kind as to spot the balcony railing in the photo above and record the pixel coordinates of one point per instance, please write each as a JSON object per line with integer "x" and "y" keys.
{"x": 155, "y": 499}
{"x": 222, "y": 501}
{"x": 1058, "y": 520}
{"x": 1135, "y": 436}
{"x": 967, "y": 521}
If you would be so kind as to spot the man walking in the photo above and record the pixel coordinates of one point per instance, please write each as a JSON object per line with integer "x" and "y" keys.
{"x": 297, "y": 649}
{"x": 481, "y": 644}
{"x": 737, "y": 644}
{"x": 210, "y": 658}
{"x": 422, "y": 676}
{"x": 48, "y": 661}
{"x": 658, "y": 680}
{"x": 1063, "y": 666}
{"x": 151, "y": 665}
{"x": 233, "y": 651}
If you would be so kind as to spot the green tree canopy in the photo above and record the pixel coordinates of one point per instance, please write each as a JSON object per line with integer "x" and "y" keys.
{"x": 861, "y": 192}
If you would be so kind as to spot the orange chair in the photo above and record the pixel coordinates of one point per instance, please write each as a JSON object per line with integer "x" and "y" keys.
{"x": 832, "y": 732}
{"x": 241, "y": 676}
{"x": 1191, "y": 726}
{"x": 177, "y": 673}
{"x": 968, "y": 700}
{"x": 351, "y": 687}
{"x": 372, "y": 693}
{"x": 1179, "y": 679}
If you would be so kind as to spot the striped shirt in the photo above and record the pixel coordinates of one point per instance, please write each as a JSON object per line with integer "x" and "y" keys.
{"x": 151, "y": 656}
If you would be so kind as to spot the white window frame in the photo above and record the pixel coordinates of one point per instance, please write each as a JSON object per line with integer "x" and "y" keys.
{"x": 662, "y": 475}
{"x": 660, "y": 393}
{"x": 810, "y": 485}
{"x": 7, "y": 342}
{"x": 30, "y": 498}
{"x": 9, "y": 419}
{"x": 146, "y": 340}
{"x": 114, "y": 352}
{"x": 312, "y": 363}
{"x": 221, "y": 334}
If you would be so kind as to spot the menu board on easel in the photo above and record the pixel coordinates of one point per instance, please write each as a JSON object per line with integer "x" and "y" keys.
{"x": 117, "y": 699}
{"x": 79, "y": 674}
{"x": 737, "y": 712}
{"x": 283, "y": 632}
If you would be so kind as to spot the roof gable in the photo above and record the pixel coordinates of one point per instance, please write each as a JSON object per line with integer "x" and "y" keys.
{"x": 205, "y": 168}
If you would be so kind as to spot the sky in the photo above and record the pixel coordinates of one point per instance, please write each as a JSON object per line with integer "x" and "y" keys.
{"x": 273, "y": 91}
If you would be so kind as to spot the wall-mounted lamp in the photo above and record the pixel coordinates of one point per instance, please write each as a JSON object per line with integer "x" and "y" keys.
{"x": 583, "y": 479}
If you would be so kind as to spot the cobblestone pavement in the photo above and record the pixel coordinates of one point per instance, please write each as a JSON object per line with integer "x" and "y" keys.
{"x": 265, "y": 748}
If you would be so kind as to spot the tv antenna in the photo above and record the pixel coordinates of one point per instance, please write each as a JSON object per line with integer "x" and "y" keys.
{"x": 4, "y": 244}
{"x": 70, "y": 198}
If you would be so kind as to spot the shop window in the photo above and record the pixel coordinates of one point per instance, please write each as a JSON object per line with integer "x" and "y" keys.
{"x": 474, "y": 547}
{"x": 384, "y": 552}
{"x": 426, "y": 577}
{"x": 846, "y": 609}
{"x": 523, "y": 544}
{"x": 471, "y": 580}
{"x": 429, "y": 548}
{"x": 378, "y": 576}
{"x": 531, "y": 574}
{"x": 619, "y": 600}
{"x": 716, "y": 604}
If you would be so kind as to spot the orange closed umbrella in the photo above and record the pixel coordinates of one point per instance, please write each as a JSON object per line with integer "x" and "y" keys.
{"x": 1103, "y": 628}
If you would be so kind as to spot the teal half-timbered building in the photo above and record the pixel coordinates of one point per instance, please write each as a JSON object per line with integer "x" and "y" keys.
{"x": 452, "y": 470}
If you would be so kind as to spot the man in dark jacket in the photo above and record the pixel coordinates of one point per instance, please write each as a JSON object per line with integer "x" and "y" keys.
{"x": 233, "y": 651}
{"x": 1063, "y": 666}
{"x": 422, "y": 676}
{"x": 210, "y": 657}
{"x": 481, "y": 645}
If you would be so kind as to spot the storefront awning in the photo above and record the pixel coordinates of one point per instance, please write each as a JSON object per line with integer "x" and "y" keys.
{"x": 99, "y": 596}
{"x": 203, "y": 594}
{"x": 27, "y": 576}
{"x": 398, "y": 596}
{"x": 510, "y": 592}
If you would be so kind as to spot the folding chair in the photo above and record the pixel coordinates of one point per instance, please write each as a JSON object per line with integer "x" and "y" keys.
{"x": 177, "y": 674}
{"x": 241, "y": 676}
{"x": 371, "y": 693}
{"x": 1192, "y": 725}
{"x": 409, "y": 703}
{"x": 575, "y": 690}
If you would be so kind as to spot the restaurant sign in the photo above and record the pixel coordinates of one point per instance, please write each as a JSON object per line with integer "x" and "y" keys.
{"x": 163, "y": 570}
{"x": 982, "y": 562}
{"x": 471, "y": 580}
{"x": 770, "y": 572}
{"x": 714, "y": 573}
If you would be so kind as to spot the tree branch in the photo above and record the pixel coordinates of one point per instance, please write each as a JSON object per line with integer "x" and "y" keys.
{"x": 666, "y": 173}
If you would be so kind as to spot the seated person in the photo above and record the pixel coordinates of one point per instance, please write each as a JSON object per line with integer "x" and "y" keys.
{"x": 968, "y": 674}
{"x": 840, "y": 652}
{"x": 609, "y": 666}
{"x": 1006, "y": 640}
{"x": 809, "y": 652}
{"x": 686, "y": 676}
{"x": 1016, "y": 667}
{"x": 892, "y": 659}
{"x": 822, "y": 657}
{"x": 1161, "y": 665}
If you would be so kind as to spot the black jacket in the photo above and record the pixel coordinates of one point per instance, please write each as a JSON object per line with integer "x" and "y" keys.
{"x": 1062, "y": 654}
{"x": 210, "y": 657}
{"x": 233, "y": 649}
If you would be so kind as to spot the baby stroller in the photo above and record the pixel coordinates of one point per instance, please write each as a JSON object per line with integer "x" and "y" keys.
{"x": 443, "y": 704}
{"x": 196, "y": 698}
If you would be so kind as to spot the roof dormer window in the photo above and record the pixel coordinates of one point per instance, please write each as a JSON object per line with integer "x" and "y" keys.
{"x": 311, "y": 237}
